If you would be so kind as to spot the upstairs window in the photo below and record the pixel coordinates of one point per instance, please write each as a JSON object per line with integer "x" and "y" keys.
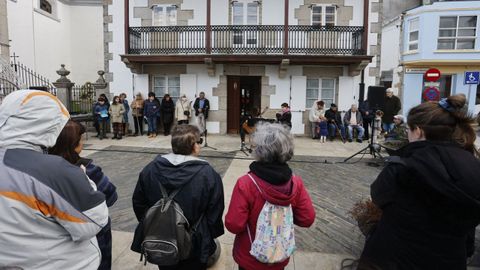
{"x": 164, "y": 15}
{"x": 457, "y": 32}
{"x": 46, "y": 6}
{"x": 324, "y": 15}
{"x": 413, "y": 27}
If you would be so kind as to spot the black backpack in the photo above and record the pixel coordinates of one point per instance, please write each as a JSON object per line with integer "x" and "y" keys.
{"x": 167, "y": 233}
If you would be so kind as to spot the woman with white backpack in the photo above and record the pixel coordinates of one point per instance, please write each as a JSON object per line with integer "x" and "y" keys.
{"x": 267, "y": 202}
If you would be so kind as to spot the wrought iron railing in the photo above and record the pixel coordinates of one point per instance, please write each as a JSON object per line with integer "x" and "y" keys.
{"x": 247, "y": 39}
{"x": 82, "y": 99}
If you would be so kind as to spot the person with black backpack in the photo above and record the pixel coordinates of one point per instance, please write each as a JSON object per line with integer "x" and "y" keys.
{"x": 179, "y": 203}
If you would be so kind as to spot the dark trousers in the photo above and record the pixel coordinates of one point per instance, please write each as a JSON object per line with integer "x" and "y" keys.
{"x": 182, "y": 122}
{"x": 366, "y": 126}
{"x": 117, "y": 129}
{"x": 332, "y": 130}
{"x": 166, "y": 128}
{"x": 102, "y": 127}
{"x": 138, "y": 122}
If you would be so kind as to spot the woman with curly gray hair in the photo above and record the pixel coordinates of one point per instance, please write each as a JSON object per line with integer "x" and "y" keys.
{"x": 269, "y": 182}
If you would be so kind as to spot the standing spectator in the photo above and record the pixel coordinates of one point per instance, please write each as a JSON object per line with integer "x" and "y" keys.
{"x": 392, "y": 107}
{"x": 167, "y": 108}
{"x": 96, "y": 124}
{"x": 334, "y": 119}
{"x": 200, "y": 195}
{"x": 285, "y": 116}
{"x": 201, "y": 106}
{"x": 316, "y": 112}
{"x": 270, "y": 179}
{"x": 101, "y": 117}
{"x": 69, "y": 145}
{"x": 116, "y": 111}
{"x": 368, "y": 116}
{"x": 51, "y": 211}
{"x": 124, "y": 101}
{"x": 353, "y": 120}
{"x": 183, "y": 109}
{"x": 150, "y": 110}
{"x": 429, "y": 196}
{"x": 137, "y": 113}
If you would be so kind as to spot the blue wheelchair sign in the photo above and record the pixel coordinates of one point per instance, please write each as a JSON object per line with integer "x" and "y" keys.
{"x": 472, "y": 77}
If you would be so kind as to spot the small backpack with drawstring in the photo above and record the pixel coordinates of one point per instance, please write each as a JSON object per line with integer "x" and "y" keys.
{"x": 275, "y": 237}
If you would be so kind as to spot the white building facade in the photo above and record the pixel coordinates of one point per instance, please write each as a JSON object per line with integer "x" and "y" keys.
{"x": 44, "y": 34}
{"x": 245, "y": 53}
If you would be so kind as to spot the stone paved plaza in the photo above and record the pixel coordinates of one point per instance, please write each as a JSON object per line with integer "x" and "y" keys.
{"x": 333, "y": 185}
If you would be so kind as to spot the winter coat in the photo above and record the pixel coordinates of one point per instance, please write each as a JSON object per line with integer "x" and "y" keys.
{"x": 279, "y": 187}
{"x": 285, "y": 118}
{"x": 364, "y": 108}
{"x": 392, "y": 107}
{"x": 182, "y": 106}
{"x": 98, "y": 109}
{"x": 167, "y": 108}
{"x": 151, "y": 108}
{"x": 430, "y": 202}
{"x": 315, "y": 113}
{"x": 333, "y": 117}
{"x": 116, "y": 112}
{"x": 137, "y": 107}
{"x": 323, "y": 126}
{"x": 104, "y": 237}
{"x": 201, "y": 194}
{"x": 51, "y": 211}
{"x": 127, "y": 110}
{"x": 347, "y": 116}
{"x": 206, "y": 107}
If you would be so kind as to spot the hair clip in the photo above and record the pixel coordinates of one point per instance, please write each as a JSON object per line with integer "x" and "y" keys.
{"x": 445, "y": 105}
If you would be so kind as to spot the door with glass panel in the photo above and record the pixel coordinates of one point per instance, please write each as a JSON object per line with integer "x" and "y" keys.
{"x": 244, "y": 19}
{"x": 164, "y": 39}
{"x": 323, "y": 38}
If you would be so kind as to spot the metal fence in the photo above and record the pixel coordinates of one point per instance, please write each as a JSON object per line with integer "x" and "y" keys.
{"x": 82, "y": 99}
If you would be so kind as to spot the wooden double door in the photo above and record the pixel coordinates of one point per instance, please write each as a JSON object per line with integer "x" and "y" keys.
{"x": 243, "y": 94}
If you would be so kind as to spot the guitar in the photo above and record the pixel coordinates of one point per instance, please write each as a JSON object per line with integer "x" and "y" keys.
{"x": 248, "y": 129}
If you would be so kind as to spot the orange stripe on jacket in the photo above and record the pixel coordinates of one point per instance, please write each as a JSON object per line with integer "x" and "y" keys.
{"x": 45, "y": 209}
{"x": 34, "y": 94}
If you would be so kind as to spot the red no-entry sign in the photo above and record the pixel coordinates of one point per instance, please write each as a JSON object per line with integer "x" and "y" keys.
{"x": 432, "y": 75}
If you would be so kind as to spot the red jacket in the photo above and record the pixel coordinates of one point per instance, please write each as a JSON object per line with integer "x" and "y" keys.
{"x": 246, "y": 204}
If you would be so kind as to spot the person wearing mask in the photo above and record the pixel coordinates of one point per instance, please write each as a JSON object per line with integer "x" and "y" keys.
{"x": 285, "y": 116}
{"x": 51, "y": 211}
{"x": 200, "y": 195}
{"x": 69, "y": 145}
{"x": 334, "y": 119}
{"x": 201, "y": 107}
{"x": 316, "y": 113}
{"x": 271, "y": 180}
{"x": 137, "y": 113}
{"x": 392, "y": 107}
{"x": 183, "y": 110}
{"x": 151, "y": 110}
{"x": 167, "y": 108}
{"x": 429, "y": 194}
{"x": 353, "y": 120}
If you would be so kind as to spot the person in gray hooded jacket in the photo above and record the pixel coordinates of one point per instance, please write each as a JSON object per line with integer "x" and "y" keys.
{"x": 51, "y": 211}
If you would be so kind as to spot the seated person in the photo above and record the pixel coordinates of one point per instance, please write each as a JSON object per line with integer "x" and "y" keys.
{"x": 247, "y": 124}
{"x": 398, "y": 136}
{"x": 285, "y": 116}
{"x": 353, "y": 120}
{"x": 334, "y": 120}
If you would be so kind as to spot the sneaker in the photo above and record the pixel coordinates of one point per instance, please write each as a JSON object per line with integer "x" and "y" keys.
{"x": 350, "y": 140}
{"x": 359, "y": 140}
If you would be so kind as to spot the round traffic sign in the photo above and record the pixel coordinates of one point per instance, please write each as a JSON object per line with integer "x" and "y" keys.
{"x": 431, "y": 94}
{"x": 432, "y": 75}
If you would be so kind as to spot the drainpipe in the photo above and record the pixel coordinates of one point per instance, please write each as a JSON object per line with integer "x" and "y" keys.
{"x": 361, "y": 85}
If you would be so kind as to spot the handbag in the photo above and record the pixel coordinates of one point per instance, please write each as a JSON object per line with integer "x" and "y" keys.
{"x": 186, "y": 113}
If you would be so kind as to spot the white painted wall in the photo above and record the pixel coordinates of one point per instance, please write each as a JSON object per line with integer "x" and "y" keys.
{"x": 347, "y": 92}
{"x": 220, "y": 11}
{"x": 140, "y": 85}
{"x": 199, "y": 11}
{"x": 390, "y": 46}
{"x": 292, "y": 5}
{"x": 73, "y": 38}
{"x": 273, "y": 12}
{"x": 357, "y": 5}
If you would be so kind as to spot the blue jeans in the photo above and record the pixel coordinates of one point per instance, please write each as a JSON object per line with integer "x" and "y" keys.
{"x": 152, "y": 124}
{"x": 387, "y": 127}
{"x": 359, "y": 129}
{"x": 332, "y": 130}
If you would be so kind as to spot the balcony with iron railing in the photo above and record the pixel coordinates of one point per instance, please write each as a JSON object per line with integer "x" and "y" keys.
{"x": 247, "y": 39}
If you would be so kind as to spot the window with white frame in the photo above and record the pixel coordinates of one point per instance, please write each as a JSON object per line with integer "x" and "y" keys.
{"x": 245, "y": 12}
{"x": 457, "y": 32}
{"x": 413, "y": 31}
{"x": 320, "y": 89}
{"x": 164, "y": 15}
{"x": 167, "y": 85}
{"x": 324, "y": 15}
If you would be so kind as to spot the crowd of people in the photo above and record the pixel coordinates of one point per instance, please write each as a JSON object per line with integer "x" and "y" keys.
{"x": 55, "y": 203}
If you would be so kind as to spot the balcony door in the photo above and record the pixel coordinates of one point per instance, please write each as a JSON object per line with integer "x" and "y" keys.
{"x": 245, "y": 12}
